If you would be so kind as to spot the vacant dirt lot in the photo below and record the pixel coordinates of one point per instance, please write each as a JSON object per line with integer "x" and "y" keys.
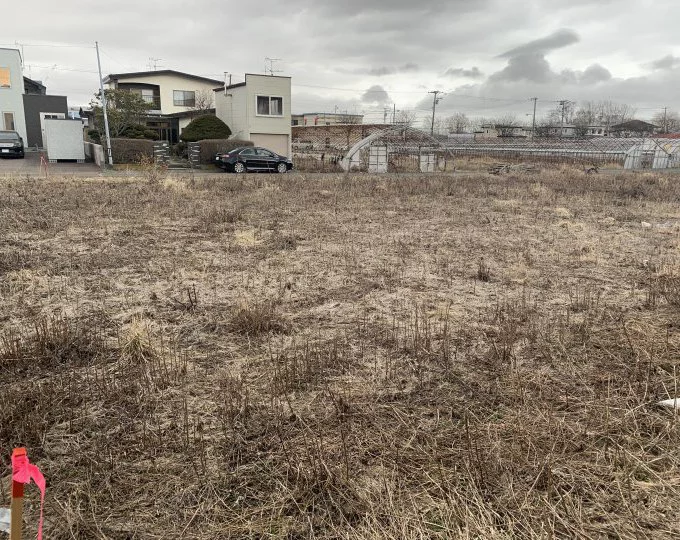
{"x": 344, "y": 356}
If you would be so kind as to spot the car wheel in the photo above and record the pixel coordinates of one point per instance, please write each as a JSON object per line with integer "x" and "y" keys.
{"x": 239, "y": 167}
{"x": 282, "y": 168}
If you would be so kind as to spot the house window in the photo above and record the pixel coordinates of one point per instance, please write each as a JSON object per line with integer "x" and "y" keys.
{"x": 8, "y": 119}
{"x": 5, "y": 79}
{"x": 147, "y": 95}
{"x": 269, "y": 106}
{"x": 184, "y": 98}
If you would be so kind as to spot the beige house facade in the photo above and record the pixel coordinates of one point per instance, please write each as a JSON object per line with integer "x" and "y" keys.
{"x": 173, "y": 96}
{"x": 258, "y": 110}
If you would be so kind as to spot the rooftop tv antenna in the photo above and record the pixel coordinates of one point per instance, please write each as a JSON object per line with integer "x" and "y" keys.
{"x": 20, "y": 46}
{"x": 269, "y": 66}
{"x": 153, "y": 63}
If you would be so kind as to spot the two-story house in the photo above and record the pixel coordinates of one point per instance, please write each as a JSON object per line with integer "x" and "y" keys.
{"x": 174, "y": 97}
{"x": 12, "y": 92}
{"x": 259, "y": 110}
{"x": 24, "y": 103}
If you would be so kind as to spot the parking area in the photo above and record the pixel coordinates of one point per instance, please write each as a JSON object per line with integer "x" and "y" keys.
{"x": 31, "y": 165}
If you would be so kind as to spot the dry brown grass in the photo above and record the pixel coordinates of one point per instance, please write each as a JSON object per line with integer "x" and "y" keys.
{"x": 344, "y": 356}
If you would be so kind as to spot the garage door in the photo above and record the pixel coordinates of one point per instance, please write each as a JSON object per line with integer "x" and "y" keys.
{"x": 275, "y": 143}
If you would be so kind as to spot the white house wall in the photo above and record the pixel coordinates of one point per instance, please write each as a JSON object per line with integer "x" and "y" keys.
{"x": 11, "y": 99}
{"x": 168, "y": 83}
{"x": 232, "y": 110}
{"x": 238, "y": 109}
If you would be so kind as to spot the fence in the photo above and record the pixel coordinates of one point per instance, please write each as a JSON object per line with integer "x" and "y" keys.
{"x": 315, "y": 153}
{"x": 161, "y": 152}
{"x": 95, "y": 152}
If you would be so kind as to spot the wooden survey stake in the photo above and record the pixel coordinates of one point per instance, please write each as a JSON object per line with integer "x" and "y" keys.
{"x": 16, "y": 509}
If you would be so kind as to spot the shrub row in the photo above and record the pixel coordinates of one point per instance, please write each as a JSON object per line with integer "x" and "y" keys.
{"x": 134, "y": 150}
{"x": 131, "y": 150}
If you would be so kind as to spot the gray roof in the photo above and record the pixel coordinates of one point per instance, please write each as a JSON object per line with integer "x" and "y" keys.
{"x": 111, "y": 76}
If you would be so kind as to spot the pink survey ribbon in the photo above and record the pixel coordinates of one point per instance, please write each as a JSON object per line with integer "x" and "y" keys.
{"x": 23, "y": 472}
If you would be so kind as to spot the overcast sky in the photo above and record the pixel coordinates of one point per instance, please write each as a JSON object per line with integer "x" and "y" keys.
{"x": 487, "y": 56}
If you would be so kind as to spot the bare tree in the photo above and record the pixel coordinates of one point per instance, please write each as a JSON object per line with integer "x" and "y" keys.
{"x": 477, "y": 123}
{"x": 588, "y": 113}
{"x": 505, "y": 125}
{"x": 439, "y": 125}
{"x": 611, "y": 113}
{"x": 668, "y": 121}
{"x": 406, "y": 118}
{"x": 350, "y": 119}
{"x": 203, "y": 101}
{"x": 458, "y": 123}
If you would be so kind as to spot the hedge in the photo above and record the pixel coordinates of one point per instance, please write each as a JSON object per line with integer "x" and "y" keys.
{"x": 205, "y": 127}
{"x": 131, "y": 150}
{"x": 209, "y": 147}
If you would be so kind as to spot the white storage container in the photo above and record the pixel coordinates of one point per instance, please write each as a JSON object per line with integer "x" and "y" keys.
{"x": 64, "y": 139}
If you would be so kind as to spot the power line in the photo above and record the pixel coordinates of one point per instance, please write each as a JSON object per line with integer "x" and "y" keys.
{"x": 47, "y": 45}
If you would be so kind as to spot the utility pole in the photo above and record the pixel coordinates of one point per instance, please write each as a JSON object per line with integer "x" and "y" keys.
{"x": 394, "y": 113}
{"x": 665, "y": 121}
{"x": 435, "y": 100}
{"x": 564, "y": 103}
{"x": 533, "y": 120}
{"x": 385, "y": 111}
{"x": 106, "y": 116}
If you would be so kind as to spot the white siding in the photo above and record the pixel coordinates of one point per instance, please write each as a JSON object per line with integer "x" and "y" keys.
{"x": 232, "y": 109}
{"x": 265, "y": 85}
{"x": 276, "y": 143}
{"x": 238, "y": 109}
{"x": 11, "y": 99}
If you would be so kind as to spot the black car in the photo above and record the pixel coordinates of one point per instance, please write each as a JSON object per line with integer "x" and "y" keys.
{"x": 252, "y": 158}
{"x": 11, "y": 144}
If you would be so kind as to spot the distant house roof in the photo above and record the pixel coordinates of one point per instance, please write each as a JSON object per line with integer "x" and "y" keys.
{"x": 237, "y": 85}
{"x": 192, "y": 113}
{"x": 502, "y": 126}
{"x": 328, "y": 114}
{"x": 634, "y": 125}
{"x": 136, "y": 74}
{"x": 34, "y": 87}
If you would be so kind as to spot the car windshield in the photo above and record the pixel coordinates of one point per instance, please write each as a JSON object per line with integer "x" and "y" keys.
{"x": 9, "y": 136}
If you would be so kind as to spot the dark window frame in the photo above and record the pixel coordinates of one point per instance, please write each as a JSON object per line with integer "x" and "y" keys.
{"x": 269, "y": 100}
{"x": 184, "y": 101}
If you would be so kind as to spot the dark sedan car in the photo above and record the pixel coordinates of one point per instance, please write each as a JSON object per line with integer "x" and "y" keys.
{"x": 11, "y": 144}
{"x": 252, "y": 158}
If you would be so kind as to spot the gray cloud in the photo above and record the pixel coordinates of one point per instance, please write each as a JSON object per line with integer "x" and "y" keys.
{"x": 667, "y": 62}
{"x": 528, "y": 63}
{"x": 376, "y": 94}
{"x": 472, "y": 73}
{"x": 525, "y": 67}
{"x": 556, "y": 40}
{"x": 385, "y": 70}
{"x": 334, "y": 51}
{"x": 594, "y": 74}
